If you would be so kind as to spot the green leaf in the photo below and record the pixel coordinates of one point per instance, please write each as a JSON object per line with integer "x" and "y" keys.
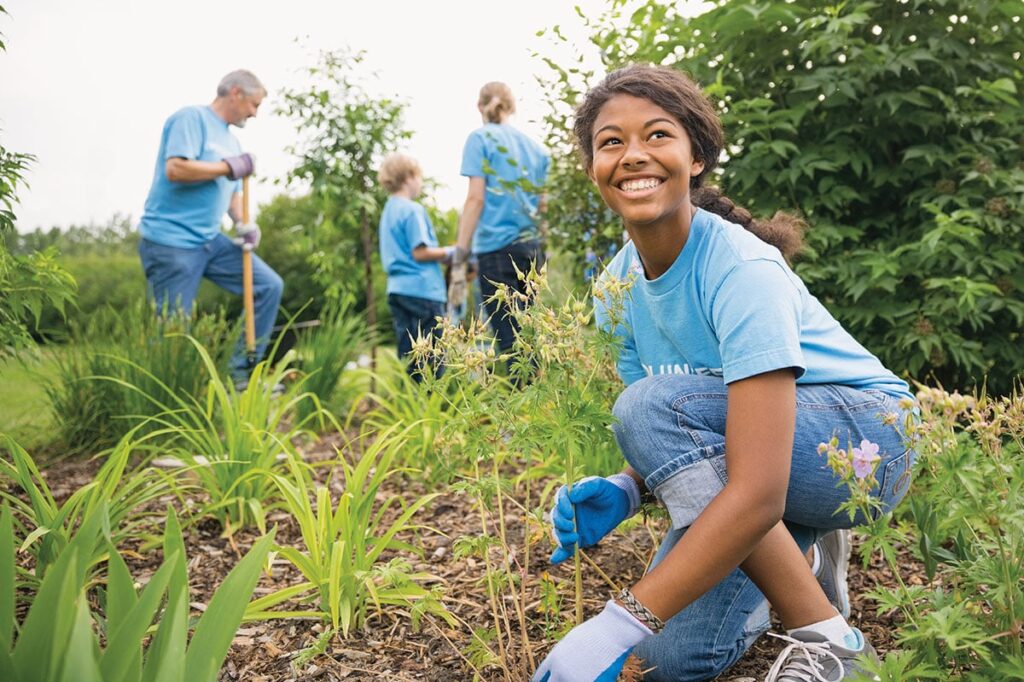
{"x": 79, "y": 659}
{"x": 7, "y": 580}
{"x": 223, "y": 614}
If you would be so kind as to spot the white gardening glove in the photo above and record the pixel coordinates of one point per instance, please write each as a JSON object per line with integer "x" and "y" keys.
{"x": 595, "y": 650}
{"x": 457, "y": 289}
{"x": 247, "y": 235}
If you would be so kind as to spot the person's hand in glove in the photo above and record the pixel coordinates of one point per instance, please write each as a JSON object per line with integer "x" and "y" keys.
{"x": 247, "y": 235}
{"x": 456, "y": 286}
{"x": 591, "y": 510}
{"x": 240, "y": 166}
{"x": 595, "y": 650}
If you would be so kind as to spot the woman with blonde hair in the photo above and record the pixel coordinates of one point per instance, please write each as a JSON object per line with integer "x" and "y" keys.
{"x": 500, "y": 220}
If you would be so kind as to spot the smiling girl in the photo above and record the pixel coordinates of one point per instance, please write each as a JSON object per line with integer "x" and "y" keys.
{"x": 734, "y": 373}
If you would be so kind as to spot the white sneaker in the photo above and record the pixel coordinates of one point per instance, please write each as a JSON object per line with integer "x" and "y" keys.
{"x": 810, "y": 657}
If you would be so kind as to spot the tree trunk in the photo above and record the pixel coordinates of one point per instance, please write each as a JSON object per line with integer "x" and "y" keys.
{"x": 371, "y": 305}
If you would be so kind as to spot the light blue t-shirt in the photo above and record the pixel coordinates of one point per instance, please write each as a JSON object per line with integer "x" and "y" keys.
{"x": 730, "y": 306}
{"x": 188, "y": 214}
{"x": 404, "y": 225}
{"x": 504, "y": 157}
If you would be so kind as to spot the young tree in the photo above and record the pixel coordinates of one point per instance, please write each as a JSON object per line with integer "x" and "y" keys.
{"x": 896, "y": 129}
{"x": 344, "y": 133}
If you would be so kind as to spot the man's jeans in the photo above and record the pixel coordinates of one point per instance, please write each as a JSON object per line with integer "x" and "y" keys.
{"x": 415, "y": 317}
{"x": 499, "y": 267}
{"x": 671, "y": 429}
{"x": 174, "y": 275}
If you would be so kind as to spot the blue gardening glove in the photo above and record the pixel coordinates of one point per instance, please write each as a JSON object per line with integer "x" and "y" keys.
{"x": 595, "y": 650}
{"x": 247, "y": 235}
{"x": 240, "y": 166}
{"x": 597, "y": 505}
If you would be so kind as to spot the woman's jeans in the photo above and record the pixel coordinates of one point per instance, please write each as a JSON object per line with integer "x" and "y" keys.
{"x": 415, "y": 317}
{"x": 174, "y": 274}
{"x": 671, "y": 429}
{"x": 499, "y": 267}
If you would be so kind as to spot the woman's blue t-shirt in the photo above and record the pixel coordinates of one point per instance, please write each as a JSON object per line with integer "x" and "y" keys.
{"x": 730, "y": 306}
{"x": 514, "y": 168}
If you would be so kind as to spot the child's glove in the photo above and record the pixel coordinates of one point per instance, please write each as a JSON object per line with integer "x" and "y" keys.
{"x": 598, "y": 505}
{"x": 595, "y": 650}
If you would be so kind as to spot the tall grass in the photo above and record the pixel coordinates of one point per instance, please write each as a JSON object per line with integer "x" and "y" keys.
{"x": 123, "y": 365}
{"x": 233, "y": 441}
{"x": 325, "y": 351}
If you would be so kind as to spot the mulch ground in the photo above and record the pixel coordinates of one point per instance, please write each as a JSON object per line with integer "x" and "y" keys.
{"x": 388, "y": 648}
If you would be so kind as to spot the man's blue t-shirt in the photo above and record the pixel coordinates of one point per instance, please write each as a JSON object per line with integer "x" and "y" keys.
{"x": 404, "y": 225}
{"x": 505, "y": 157}
{"x": 188, "y": 214}
{"x": 730, "y": 306}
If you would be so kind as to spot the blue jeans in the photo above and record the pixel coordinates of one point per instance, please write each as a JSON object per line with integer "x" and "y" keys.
{"x": 671, "y": 429}
{"x": 174, "y": 274}
{"x": 415, "y": 317}
{"x": 499, "y": 267}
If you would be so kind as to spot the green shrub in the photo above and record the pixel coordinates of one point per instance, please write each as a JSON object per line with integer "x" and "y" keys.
{"x": 344, "y": 544}
{"x": 964, "y": 519}
{"x": 895, "y": 128}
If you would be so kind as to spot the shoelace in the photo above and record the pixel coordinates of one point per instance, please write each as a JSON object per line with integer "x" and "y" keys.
{"x": 804, "y": 665}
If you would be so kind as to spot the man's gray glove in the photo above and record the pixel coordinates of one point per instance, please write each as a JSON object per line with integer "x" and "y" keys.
{"x": 459, "y": 255}
{"x": 456, "y": 287}
{"x": 240, "y": 166}
{"x": 247, "y": 235}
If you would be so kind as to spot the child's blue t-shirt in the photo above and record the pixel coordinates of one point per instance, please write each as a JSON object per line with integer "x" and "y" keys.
{"x": 188, "y": 214}
{"x": 404, "y": 225}
{"x": 730, "y": 306}
{"x": 505, "y": 157}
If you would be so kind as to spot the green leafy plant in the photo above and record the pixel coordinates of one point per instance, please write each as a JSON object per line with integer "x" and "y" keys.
{"x": 344, "y": 544}
{"x": 964, "y": 517}
{"x": 57, "y": 641}
{"x": 28, "y": 284}
{"x": 549, "y": 421}
{"x": 418, "y": 410}
{"x": 233, "y": 441}
{"x": 122, "y": 488}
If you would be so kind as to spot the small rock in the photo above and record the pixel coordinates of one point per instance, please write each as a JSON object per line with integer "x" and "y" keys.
{"x": 438, "y": 553}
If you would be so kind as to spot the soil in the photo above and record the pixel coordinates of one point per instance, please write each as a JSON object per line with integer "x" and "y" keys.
{"x": 389, "y": 648}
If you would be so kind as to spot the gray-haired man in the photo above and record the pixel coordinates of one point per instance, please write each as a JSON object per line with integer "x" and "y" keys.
{"x": 197, "y": 178}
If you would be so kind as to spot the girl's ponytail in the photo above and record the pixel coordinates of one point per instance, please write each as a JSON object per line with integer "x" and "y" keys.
{"x": 783, "y": 231}
{"x": 496, "y": 102}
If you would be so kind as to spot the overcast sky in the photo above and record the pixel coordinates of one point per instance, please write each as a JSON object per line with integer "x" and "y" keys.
{"x": 86, "y": 86}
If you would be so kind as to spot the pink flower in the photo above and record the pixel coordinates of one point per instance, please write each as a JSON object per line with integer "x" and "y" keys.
{"x": 864, "y": 459}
